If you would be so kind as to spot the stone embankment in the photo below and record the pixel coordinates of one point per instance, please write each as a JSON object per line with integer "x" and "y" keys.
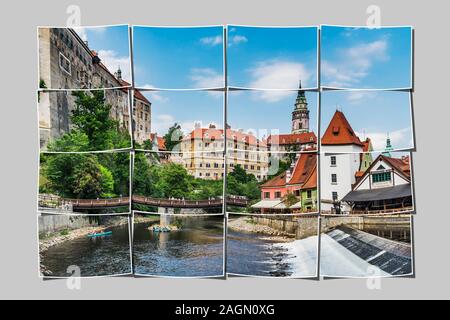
{"x": 247, "y": 224}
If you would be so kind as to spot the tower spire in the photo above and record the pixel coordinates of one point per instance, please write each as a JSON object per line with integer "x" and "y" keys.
{"x": 389, "y": 148}
{"x": 300, "y": 115}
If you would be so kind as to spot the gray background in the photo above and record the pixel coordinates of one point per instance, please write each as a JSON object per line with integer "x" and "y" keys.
{"x": 19, "y": 161}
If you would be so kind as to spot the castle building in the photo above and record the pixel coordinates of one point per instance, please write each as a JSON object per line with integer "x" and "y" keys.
{"x": 300, "y": 115}
{"x": 202, "y": 153}
{"x": 67, "y": 62}
{"x": 292, "y": 142}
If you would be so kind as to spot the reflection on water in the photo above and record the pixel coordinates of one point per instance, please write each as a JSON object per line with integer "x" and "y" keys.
{"x": 196, "y": 250}
{"x": 101, "y": 256}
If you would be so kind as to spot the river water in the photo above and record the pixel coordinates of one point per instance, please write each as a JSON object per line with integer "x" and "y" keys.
{"x": 197, "y": 251}
{"x": 101, "y": 256}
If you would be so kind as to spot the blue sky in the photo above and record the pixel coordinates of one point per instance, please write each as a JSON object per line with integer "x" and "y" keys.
{"x": 185, "y": 108}
{"x": 176, "y": 58}
{"x": 372, "y": 114}
{"x": 366, "y": 58}
{"x": 251, "y": 110}
{"x": 272, "y": 58}
{"x": 112, "y": 46}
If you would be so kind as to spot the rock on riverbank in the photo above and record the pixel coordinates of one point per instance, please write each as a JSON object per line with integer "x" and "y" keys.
{"x": 246, "y": 224}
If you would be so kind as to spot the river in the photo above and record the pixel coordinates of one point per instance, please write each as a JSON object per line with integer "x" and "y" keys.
{"x": 101, "y": 256}
{"x": 197, "y": 251}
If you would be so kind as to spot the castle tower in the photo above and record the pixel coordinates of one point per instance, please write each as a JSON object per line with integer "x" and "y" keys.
{"x": 118, "y": 73}
{"x": 300, "y": 115}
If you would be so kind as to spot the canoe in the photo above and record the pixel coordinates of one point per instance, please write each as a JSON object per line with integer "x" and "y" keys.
{"x": 106, "y": 233}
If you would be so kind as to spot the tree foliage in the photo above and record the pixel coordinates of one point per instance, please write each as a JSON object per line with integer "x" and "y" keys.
{"x": 173, "y": 136}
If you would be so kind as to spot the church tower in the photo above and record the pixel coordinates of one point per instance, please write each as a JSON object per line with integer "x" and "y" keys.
{"x": 300, "y": 115}
{"x": 389, "y": 148}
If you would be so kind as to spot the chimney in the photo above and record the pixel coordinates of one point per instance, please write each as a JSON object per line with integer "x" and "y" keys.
{"x": 288, "y": 176}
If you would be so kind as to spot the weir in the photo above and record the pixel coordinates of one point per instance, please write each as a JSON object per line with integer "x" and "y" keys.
{"x": 390, "y": 256}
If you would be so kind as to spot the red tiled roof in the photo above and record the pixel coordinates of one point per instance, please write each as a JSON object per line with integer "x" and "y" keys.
{"x": 401, "y": 165}
{"x": 366, "y": 145}
{"x": 160, "y": 140}
{"x": 339, "y": 132}
{"x": 213, "y": 133}
{"x": 293, "y": 138}
{"x": 311, "y": 182}
{"x": 301, "y": 174}
{"x": 137, "y": 93}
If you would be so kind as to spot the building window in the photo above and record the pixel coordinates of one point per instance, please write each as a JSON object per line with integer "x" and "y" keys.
{"x": 334, "y": 195}
{"x": 297, "y": 193}
{"x": 266, "y": 195}
{"x": 381, "y": 177}
{"x": 333, "y": 161}
{"x": 64, "y": 64}
{"x": 334, "y": 178}
{"x": 277, "y": 194}
{"x": 309, "y": 194}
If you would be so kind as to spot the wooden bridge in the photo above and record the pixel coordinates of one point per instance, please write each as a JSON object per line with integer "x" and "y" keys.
{"x": 47, "y": 201}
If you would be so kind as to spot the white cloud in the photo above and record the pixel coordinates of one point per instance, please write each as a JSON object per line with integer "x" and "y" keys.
{"x": 81, "y": 33}
{"x": 153, "y": 96}
{"x": 277, "y": 74}
{"x": 237, "y": 39}
{"x": 112, "y": 61}
{"x": 212, "y": 41}
{"x": 206, "y": 78}
{"x": 356, "y": 97}
{"x": 353, "y": 64}
{"x": 161, "y": 124}
{"x": 400, "y": 139}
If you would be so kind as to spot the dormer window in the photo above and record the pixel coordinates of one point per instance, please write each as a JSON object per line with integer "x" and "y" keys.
{"x": 335, "y": 131}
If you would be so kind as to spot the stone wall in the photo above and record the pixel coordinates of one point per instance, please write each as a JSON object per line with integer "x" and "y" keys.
{"x": 358, "y": 222}
{"x": 301, "y": 227}
{"x": 56, "y": 223}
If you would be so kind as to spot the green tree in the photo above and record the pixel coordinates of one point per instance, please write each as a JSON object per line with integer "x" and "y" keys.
{"x": 106, "y": 182}
{"x": 74, "y": 141}
{"x": 174, "y": 181}
{"x": 91, "y": 116}
{"x": 240, "y": 174}
{"x": 173, "y": 136}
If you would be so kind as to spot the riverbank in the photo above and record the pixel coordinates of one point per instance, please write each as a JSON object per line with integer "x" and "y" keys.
{"x": 56, "y": 238}
{"x": 246, "y": 224}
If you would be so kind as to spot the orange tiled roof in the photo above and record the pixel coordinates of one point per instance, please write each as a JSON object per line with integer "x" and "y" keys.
{"x": 311, "y": 182}
{"x": 213, "y": 133}
{"x": 301, "y": 174}
{"x": 340, "y": 132}
{"x": 366, "y": 145}
{"x": 160, "y": 140}
{"x": 401, "y": 165}
{"x": 137, "y": 93}
{"x": 293, "y": 138}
